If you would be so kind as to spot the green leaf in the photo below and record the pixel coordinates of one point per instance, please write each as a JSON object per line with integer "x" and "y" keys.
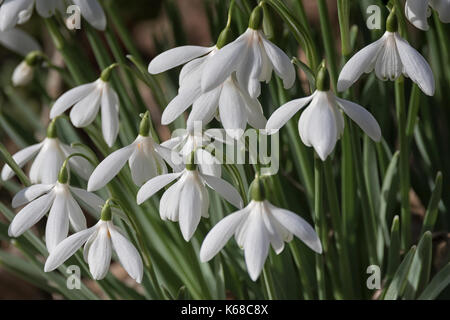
{"x": 440, "y": 281}
{"x": 432, "y": 209}
{"x": 398, "y": 284}
{"x": 394, "y": 249}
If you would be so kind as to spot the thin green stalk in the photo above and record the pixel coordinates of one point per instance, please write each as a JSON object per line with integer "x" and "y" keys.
{"x": 268, "y": 282}
{"x": 405, "y": 216}
{"x": 343, "y": 7}
{"x": 328, "y": 40}
{"x": 320, "y": 227}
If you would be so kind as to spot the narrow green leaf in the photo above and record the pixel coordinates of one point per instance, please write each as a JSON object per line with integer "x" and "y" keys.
{"x": 433, "y": 205}
{"x": 398, "y": 284}
{"x": 440, "y": 281}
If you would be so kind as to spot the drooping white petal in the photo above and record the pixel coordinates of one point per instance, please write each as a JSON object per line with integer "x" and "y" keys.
{"x": 175, "y": 57}
{"x": 21, "y": 158}
{"x": 280, "y": 62}
{"x": 76, "y": 216}
{"x": 180, "y": 103}
{"x": 415, "y": 66}
{"x": 255, "y": 114}
{"x": 225, "y": 189}
{"x": 298, "y": 226}
{"x": 256, "y": 245}
{"x": 154, "y": 185}
{"x": 93, "y": 12}
{"x": 57, "y": 226}
{"x": 84, "y": 111}
{"x": 275, "y": 231}
{"x": 110, "y": 115}
{"x": 29, "y": 194}
{"x": 67, "y": 248}
{"x": 232, "y": 110}
{"x": 190, "y": 209}
{"x": 126, "y": 252}
{"x": 205, "y": 107}
{"x": 250, "y": 68}
{"x": 10, "y": 11}
{"x": 143, "y": 167}
{"x": 88, "y": 200}
{"x": 169, "y": 203}
{"x": 358, "y": 64}
{"x": 190, "y": 69}
{"x": 443, "y": 9}
{"x": 19, "y": 41}
{"x": 70, "y": 98}
{"x": 100, "y": 251}
{"x": 362, "y": 117}
{"x": 224, "y": 62}
{"x": 173, "y": 158}
{"x": 46, "y": 166}
{"x": 219, "y": 235}
{"x": 321, "y": 130}
{"x": 109, "y": 168}
{"x": 416, "y": 13}
{"x": 284, "y": 113}
{"x": 30, "y": 215}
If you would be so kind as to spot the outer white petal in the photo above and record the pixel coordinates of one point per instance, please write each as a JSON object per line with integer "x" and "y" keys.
{"x": 76, "y": 216}
{"x": 21, "y": 157}
{"x": 88, "y": 200}
{"x": 110, "y": 115}
{"x": 191, "y": 68}
{"x": 109, "y": 168}
{"x": 254, "y": 111}
{"x": 70, "y": 98}
{"x": 29, "y": 194}
{"x": 84, "y": 111}
{"x": 10, "y": 11}
{"x": 180, "y": 103}
{"x": 19, "y": 41}
{"x": 100, "y": 251}
{"x": 218, "y": 236}
{"x": 57, "y": 226}
{"x": 284, "y": 113}
{"x": 298, "y": 226}
{"x": 154, "y": 185}
{"x": 362, "y": 117}
{"x": 415, "y": 66}
{"x": 443, "y": 9}
{"x": 256, "y": 245}
{"x": 30, "y": 215}
{"x": 170, "y": 202}
{"x": 46, "y": 166}
{"x": 128, "y": 255}
{"x": 67, "y": 248}
{"x": 322, "y": 128}
{"x": 143, "y": 167}
{"x": 358, "y": 64}
{"x": 250, "y": 68}
{"x": 93, "y": 12}
{"x": 190, "y": 210}
{"x": 205, "y": 107}
{"x": 175, "y": 57}
{"x": 281, "y": 63}
{"x": 416, "y": 13}
{"x": 232, "y": 110}
{"x": 225, "y": 189}
{"x": 224, "y": 62}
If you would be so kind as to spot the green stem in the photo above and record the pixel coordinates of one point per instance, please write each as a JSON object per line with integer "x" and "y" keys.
{"x": 405, "y": 217}
{"x": 268, "y": 282}
{"x": 320, "y": 227}
{"x": 8, "y": 159}
{"x": 327, "y": 36}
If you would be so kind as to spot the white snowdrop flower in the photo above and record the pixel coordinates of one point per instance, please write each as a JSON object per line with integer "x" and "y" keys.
{"x": 59, "y": 200}
{"x": 256, "y": 227}
{"x": 99, "y": 243}
{"x": 322, "y": 123}
{"x": 390, "y": 56}
{"x": 252, "y": 57}
{"x": 417, "y": 11}
{"x": 187, "y": 200}
{"x": 145, "y": 158}
{"x": 13, "y": 12}
{"x": 87, "y": 100}
{"x": 18, "y": 41}
{"x": 23, "y": 74}
{"x": 49, "y": 156}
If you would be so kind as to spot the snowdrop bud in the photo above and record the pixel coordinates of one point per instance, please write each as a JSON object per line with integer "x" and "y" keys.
{"x": 225, "y": 37}
{"x": 63, "y": 176}
{"x": 190, "y": 165}
{"x": 144, "y": 126}
{"x": 23, "y": 74}
{"x": 106, "y": 73}
{"x": 255, "y": 21}
{"x": 106, "y": 212}
{"x": 392, "y": 22}
{"x": 257, "y": 192}
{"x": 51, "y": 129}
{"x": 323, "y": 79}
